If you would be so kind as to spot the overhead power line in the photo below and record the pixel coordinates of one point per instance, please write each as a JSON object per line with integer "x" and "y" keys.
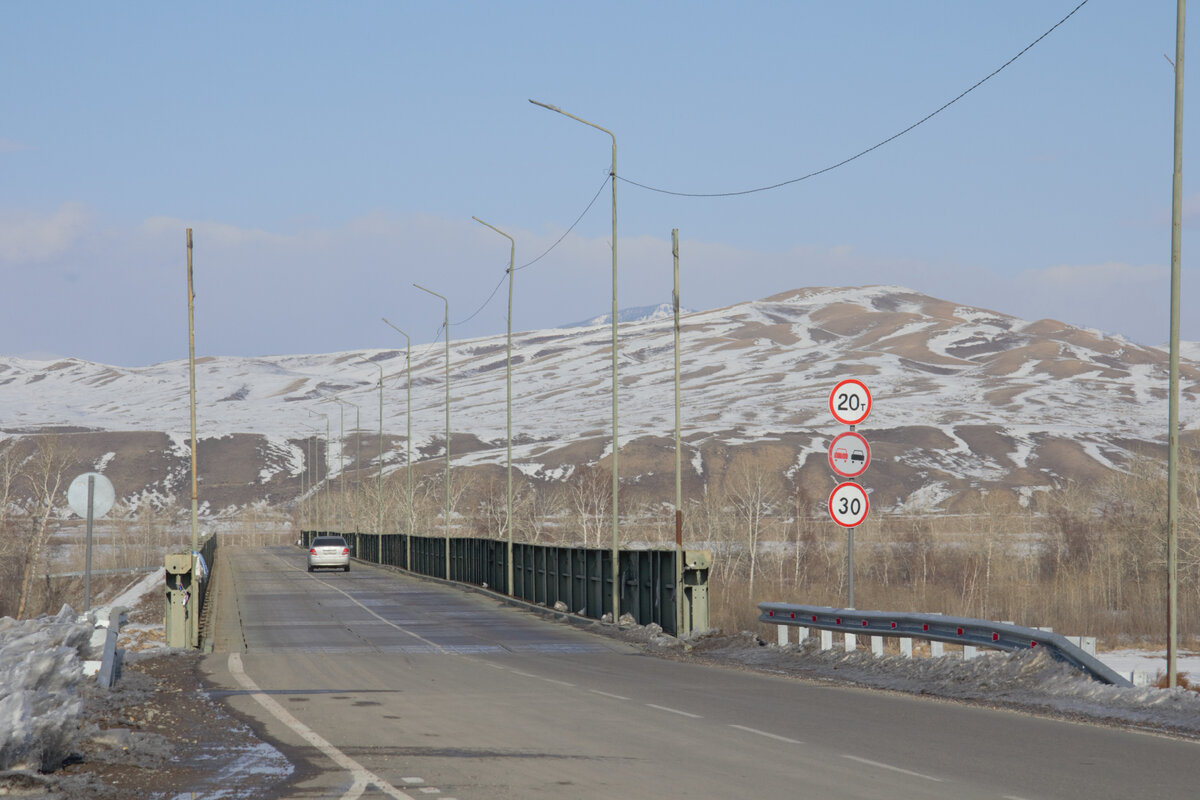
{"x": 872, "y": 148}
{"x": 545, "y": 253}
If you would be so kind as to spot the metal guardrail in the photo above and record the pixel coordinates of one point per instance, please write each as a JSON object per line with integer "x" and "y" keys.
{"x": 938, "y": 628}
{"x": 107, "y": 675}
{"x": 579, "y": 578}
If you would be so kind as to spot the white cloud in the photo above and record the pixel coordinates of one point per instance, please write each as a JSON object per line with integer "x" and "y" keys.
{"x": 28, "y": 237}
{"x": 1093, "y": 278}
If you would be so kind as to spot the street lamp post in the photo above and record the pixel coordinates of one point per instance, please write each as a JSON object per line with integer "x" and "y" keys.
{"x": 379, "y": 477}
{"x": 408, "y": 442}
{"x": 322, "y": 518}
{"x": 616, "y": 551}
{"x": 446, "y": 515}
{"x": 508, "y": 514}
{"x": 341, "y": 443}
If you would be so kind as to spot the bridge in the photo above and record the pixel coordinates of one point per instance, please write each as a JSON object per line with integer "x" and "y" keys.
{"x": 378, "y": 683}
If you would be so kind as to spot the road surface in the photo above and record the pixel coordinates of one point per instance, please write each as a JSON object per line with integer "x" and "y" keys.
{"x": 378, "y": 684}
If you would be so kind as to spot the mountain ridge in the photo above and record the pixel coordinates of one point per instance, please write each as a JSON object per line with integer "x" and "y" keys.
{"x": 965, "y": 398}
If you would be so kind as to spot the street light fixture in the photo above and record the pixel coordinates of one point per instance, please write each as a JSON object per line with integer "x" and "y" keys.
{"x": 612, "y": 176}
{"x": 408, "y": 443}
{"x": 508, "y": 514}
{"x": 446, "y": 514}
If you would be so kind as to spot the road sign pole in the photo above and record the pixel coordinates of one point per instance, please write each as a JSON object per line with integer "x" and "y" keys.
{"x": 850, "y": 568}
{"x": 87, "y": 560}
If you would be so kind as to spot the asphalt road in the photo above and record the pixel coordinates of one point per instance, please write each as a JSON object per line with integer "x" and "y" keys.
{"x": 379, "y": 684}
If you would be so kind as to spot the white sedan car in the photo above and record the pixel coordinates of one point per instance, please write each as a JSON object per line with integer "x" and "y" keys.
{"x": 329, "y": 551}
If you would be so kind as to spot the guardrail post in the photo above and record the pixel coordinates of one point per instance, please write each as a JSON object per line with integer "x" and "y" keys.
{"x": 877, "y": 645}
{"x": 851, "y": 643}
{"x": 936, "y": 649}
{"x": 969, "y": 652}
{"x": 781, "y": 635}
{"x": 906, "y": 647}
{"x": 801, "y": 635}
{"x": 826, "y": 640}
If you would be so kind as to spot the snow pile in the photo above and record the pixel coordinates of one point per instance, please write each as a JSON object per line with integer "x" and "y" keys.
{"x": 40, "y": 675}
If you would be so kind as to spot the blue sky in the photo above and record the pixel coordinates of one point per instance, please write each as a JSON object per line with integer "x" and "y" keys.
{"x": 328, "y": 156}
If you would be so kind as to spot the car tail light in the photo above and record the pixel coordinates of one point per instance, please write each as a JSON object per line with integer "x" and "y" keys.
{"x": 345, "y": 551}
{"x": 312, "y": 551}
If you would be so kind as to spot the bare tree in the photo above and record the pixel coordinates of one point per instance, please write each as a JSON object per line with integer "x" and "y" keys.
{"x": 753, "y": 490}
{"x": 45, "y": 479}
{"x": 590, "y": 494}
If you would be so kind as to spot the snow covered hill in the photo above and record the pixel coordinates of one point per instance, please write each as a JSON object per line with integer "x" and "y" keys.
{"x": 962, "y": 397}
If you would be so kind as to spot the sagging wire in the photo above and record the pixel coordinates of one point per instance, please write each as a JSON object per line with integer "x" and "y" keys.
{"x": 859, "y": 155}
{"x": 545, "y": 253}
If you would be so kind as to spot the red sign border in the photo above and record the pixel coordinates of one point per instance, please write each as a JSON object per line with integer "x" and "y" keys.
{"x": 870, "y": 401}
{"x": 866, "y": 504}
{"x": 833, "y": 444}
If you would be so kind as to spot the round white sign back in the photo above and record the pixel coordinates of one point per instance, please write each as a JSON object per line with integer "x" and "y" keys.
{"x": 103, "y": 495}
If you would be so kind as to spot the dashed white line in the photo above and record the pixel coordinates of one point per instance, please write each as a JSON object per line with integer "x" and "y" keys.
{"x": 607, "y": 694}
{"x": 675, "y": 711}
{"x": 774, "y": 736}
{"x": 881, "y": 765}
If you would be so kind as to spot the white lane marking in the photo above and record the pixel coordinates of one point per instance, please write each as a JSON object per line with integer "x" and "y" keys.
{"x": 400, "y": 628}
{"x": 890, "y": 767}
{"x": 607, "y": 694}
{"x": 361, "y": 776}
{"x": 675, "y": 711}
{"x": 774, "y": 736}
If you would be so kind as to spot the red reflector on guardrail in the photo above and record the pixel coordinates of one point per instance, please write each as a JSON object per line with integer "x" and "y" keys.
{"x": 960, "y": 631}
{"x": 893, "y": 626}
{"x": 925, "y": 627}
{"x": 995, "y": 637}
{"x": 864, "y": 623}
{"x": 1033, "y": 644}
{"x": 770, "y": 613}
{"x": 838, "y": 621}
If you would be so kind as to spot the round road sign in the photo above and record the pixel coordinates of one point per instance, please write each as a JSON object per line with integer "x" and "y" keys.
{"x": 848, "y": 504}
{"x": 102, "y": 495}
{"x": 849, "y": 455}
{"x": 850, "y": 402}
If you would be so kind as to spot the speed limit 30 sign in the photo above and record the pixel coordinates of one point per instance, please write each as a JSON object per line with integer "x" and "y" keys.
{"x": 848, "y": 504}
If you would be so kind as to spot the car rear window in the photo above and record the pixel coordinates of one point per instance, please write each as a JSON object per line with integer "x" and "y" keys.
{"x": 328, "y": 541}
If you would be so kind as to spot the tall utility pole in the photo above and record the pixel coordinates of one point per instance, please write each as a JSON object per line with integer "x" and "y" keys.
{"x": 407, "y": 442}
{"x": 679, "y": 615}
{"x": 194, "y": 624}
{"x": 379, "y": 474}
{"x": 446, "y": 325}
{"x": 616, "y": 484}
{"x": 1173, "y": 380}
{"x": 508, "y": 515}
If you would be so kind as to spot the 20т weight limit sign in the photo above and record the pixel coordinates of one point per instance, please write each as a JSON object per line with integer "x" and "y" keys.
{"x": 848, "y": 504}
{"x": 850, "y": 401}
